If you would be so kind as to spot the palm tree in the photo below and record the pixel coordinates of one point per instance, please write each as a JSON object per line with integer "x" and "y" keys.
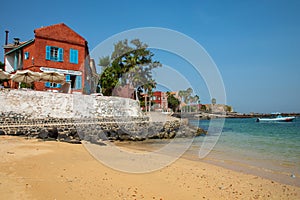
{"x": 189, "y": 92}
{"x": 196, "y": 101}
{"x": 182, "y": 95}
{"x": 148, "y": 87}
{"x": 213, "y": 101}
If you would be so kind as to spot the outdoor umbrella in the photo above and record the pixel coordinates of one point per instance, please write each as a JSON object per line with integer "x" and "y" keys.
{"x": 4, "y": 75}
{"x": 25, "y": 76}
{"x": 53, "y": 77}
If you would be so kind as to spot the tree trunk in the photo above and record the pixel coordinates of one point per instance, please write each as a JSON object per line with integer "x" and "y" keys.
{"x": 149, "y": 103}
{"x": 146, "y": 104}
{"x": 136, "y": 95}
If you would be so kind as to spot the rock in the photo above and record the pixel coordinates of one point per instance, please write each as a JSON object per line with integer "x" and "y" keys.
{"x": 137, "y": 138}
{"x": 101, "y": 135}
{"x": 19, "y": 132}
{"x": 53, "y": 133}
{"x": 125, "y": 137}
{"x": 72, "y": 141}
{"x": 11, "y": 132}
{"x": 99, "y": 143}
{"x": 62, "y": 135}
{"x": 293, "y": 176}
{"x": 73, "y": 132}
{"x": 112, "y": 134}
{"x": 172, "y": 134}
{"x": 93, "y": 139}
{"x": 153, "y": 136}
{"x": 43, "y": 134}
{"x": 200, "y": 132}
{"x": 80, "y": 134}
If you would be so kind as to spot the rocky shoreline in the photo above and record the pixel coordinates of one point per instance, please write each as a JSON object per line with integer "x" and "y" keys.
{"x": 94, "y": 130}
{"x": 208, "y": 116}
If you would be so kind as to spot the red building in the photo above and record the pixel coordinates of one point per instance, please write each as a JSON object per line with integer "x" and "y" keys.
{"x": 160, "y": 100}
{"x": 54, "y": 48}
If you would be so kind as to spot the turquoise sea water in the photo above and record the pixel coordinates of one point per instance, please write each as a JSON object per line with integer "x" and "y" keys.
{"x": 271, "y": 150}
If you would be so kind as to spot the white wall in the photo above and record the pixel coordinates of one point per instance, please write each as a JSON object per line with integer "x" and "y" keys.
{"x": 9, "y": 64}
{"x": 48, "y": 104}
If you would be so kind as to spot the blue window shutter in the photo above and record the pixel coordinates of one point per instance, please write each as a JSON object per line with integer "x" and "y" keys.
{"x": 76, "y": 56}
{"x": 58, "y": 85}
{"x": 67, "y": 77}
{"x": 47, "y": 84}
{"x": 60, "y": 54}
{"x": 78, "y": 82}
{"x": 48, "y": 52}
{"x": 71, "y": 56}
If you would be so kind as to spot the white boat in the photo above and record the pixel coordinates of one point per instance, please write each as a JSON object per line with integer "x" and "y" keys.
{"x": 279, "y": 118}
{"x": 167, "y": 113}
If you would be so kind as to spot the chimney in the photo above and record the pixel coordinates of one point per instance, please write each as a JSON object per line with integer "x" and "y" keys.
{"x": 6, "y": 37}
{"x": 16, "y": 41}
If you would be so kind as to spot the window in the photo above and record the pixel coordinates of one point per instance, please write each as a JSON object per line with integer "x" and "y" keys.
{"x": 75, "y": 81}
{"x": 78, "y": 82}
{"x": 26, "y": 55}
{"x": 52, "y": 85}
{"x": 74, "y": 56}
{"x": 54, "y": 53}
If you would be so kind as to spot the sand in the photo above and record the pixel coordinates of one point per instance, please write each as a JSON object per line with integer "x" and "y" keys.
{"x": 32, "y": 169}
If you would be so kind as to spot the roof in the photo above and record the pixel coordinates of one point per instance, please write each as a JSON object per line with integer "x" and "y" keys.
{"x": 60, "y": 32}
{"x": 21, "y": 45}
{"x": 13, "y": 45}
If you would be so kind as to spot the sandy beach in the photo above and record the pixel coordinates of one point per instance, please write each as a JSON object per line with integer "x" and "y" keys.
{"x": 32, "y": 169}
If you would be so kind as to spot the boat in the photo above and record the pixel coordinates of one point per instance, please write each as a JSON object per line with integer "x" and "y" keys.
{"x": 279, "y": 118}
{"x": 167, "y": 113}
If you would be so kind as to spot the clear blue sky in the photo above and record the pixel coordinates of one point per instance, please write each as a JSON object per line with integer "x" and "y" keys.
{"x": 255, "y": 44}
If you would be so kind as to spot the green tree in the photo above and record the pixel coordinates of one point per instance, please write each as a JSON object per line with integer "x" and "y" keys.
{"x": 148, "y": 87}
{"x": 128, "y": 64}
{"x": 195, "y": 101}
{"x": 2, "y": 65}
{"x": 188, "y": 99}
{"x": 228, "y": 108}
{"x": 104, "y": 61}
{"x": 203, "y": 107}
{"x": 213, "y": 101}
{"x": 173, "y": 102}
{"x": 183, "y": 96}
{"x": 3, "y": 80}
{"x": 189, "y": 92}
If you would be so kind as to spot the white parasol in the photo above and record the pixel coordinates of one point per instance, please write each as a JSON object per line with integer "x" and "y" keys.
{"x": 4, "y": 75}
{"x": 25, "y": 76}
{"x": 53, "y": 77}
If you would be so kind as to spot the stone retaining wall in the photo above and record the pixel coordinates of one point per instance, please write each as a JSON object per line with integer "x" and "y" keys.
{"x": 69, "y": 129}
{"x": 73, "y": 118}
{"x": 74, "y": 130}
